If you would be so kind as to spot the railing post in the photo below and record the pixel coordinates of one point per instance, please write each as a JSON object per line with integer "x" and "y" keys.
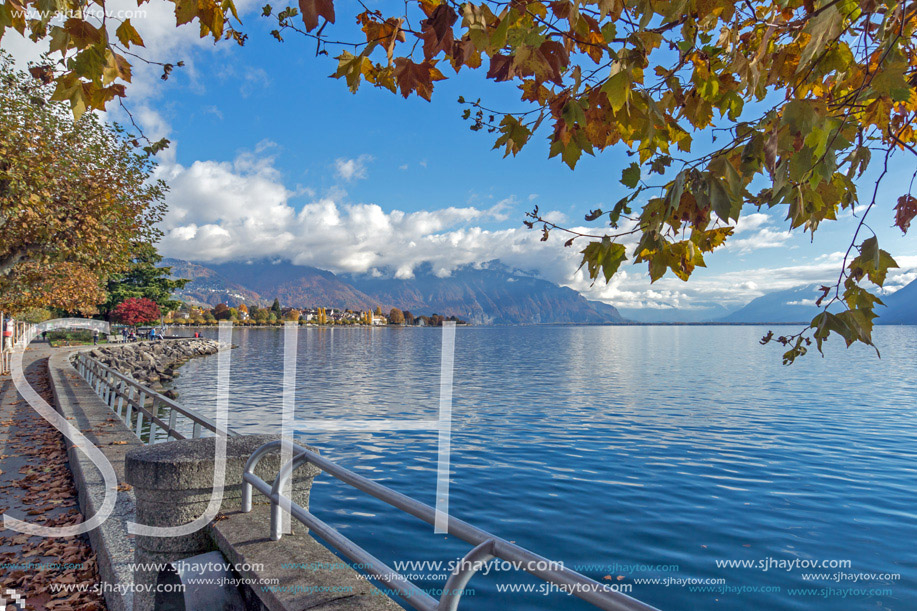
{"x": 139, "y": 424}
{"x": 153, "y": 410}
{"x": 120, "y": 398}
{"x": 141, "y": 401}
{"x": 173, "y": 417}
{"x": 455, "y": 585}
{"x": 130, "y": 407}
{"x": 113, "y": 392}
{"x": 196, "y": 430}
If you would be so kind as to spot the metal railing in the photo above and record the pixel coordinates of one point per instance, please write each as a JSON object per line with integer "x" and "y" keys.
{"x": 138, "y": 405}
{"x": 487, "y": 546}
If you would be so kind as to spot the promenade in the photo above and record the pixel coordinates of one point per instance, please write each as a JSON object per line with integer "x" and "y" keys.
{"x": 36, "y": 485}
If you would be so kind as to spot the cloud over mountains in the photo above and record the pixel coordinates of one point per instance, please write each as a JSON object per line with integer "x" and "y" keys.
{"x": 242, "y": 210}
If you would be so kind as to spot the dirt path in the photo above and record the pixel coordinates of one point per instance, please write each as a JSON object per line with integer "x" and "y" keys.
{"x": 36, "y": 485}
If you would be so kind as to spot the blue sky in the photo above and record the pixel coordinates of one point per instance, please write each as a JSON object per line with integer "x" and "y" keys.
{"x": 272, "y": 158}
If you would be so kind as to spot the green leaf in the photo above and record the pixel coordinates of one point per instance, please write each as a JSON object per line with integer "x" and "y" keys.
{"x": 630, "y": 177}
{"x": 605, "y": 256}
{"x": 617, "y": 88}
{"x": 872, "y": 262}
{"x": 571, "y": 154}
{"x": 823, "y": 28}
{"x": 514, "y": 135}
{"x": 721, "y": 202}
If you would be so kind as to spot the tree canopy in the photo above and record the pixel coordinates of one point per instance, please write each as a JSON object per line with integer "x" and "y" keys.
{"x": 136, "y": 311}
{"x": 143, "y": 278}
{"x": 396, "y": 317}
{"x": 74, "y": 197}
{"x": 722, "y": 104}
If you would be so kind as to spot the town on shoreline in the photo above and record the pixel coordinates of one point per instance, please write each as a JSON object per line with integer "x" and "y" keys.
{"x": 275, "y": 315}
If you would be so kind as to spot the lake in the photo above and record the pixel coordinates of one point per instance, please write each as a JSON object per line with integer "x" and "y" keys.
{"x": 687, "y": 462}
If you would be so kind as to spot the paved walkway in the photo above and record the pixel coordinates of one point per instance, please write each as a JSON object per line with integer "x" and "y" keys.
{"x": 36, "y": 485}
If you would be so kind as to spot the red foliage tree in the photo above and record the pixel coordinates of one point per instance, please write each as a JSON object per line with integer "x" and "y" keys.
{"x": 136, "y": 311}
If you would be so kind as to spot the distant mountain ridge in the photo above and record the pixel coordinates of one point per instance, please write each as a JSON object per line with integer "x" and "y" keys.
{"x": 207, "y": 286}
{"x": 798, "y": 305}
{"x": 901, "y": 306}
{"x": 296, "y": 286}
{"x": 488, "y": 294}
{"x": 792, "y": 305}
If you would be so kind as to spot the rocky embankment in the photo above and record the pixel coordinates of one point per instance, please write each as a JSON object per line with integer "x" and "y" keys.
{"x": 154, "y": 363}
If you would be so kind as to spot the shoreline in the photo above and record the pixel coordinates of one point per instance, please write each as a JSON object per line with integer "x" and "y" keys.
{"x": 534, "y": 324}
{"x": 155, "y": 364}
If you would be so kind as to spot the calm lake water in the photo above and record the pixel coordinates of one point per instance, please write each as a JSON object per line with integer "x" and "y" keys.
{"x": 670, "y": 448}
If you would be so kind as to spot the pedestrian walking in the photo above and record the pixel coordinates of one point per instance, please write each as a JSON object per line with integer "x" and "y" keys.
{"x": 95, "y": 337}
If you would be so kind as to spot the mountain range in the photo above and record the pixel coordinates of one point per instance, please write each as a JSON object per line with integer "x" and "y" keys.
{"x": 792, "y": 305}
{"x": 798, "y": 305}
{"x": 901, "y": 306}
{"x": 491, "y": 293}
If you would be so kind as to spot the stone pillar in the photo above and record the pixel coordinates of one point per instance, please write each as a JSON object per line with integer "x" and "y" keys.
{"x": 173, "y": 482}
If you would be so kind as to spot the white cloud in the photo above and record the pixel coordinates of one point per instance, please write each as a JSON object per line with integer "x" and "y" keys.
{"x": 556, "y": 217}
{"x": 750, "y": 222}
{"x": 235, "y": 210}
{"x": 352, "y": 169}
{"x": 763, "y": 238}
{"x": 752, "y": 233}
{"x": 899, "y": 278}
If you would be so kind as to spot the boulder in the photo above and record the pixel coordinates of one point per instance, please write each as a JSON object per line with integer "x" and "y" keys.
{"x": 152, "y": 363}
